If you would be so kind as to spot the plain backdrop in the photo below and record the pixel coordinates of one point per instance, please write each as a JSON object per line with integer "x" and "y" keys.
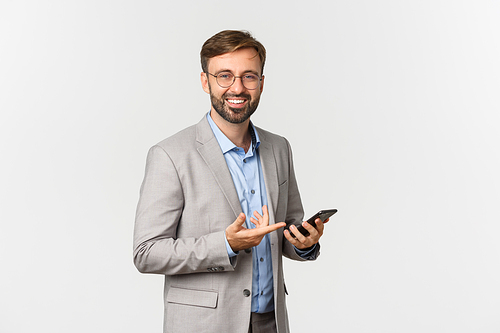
{"x": 391, "y": 107}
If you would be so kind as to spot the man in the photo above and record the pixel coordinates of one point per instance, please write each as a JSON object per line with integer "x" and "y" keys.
{"x": 213, "y": 203}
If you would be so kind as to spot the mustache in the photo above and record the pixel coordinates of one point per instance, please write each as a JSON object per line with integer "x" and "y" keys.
{"x": 245, "y": 96}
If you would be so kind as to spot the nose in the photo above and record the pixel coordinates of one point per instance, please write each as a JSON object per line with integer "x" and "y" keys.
{"x": 237, "y": 86}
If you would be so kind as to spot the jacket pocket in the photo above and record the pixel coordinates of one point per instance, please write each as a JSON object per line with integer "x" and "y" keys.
{"x": 282, "y": 182}
{"x": 202, "y": 298}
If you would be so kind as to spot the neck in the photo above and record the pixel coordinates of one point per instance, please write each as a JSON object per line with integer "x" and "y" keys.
{"x": 239, "y": 134}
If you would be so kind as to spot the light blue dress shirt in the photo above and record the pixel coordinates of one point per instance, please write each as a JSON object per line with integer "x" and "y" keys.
{"x": 246, "y": 171}
{"x": 248, "y": 179}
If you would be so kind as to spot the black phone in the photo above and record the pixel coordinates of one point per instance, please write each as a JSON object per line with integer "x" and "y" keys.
{"x": 322, "y": 214}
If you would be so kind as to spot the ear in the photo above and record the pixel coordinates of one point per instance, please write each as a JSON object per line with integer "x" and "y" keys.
{"x": 204, "y": 82}
{"x": 262, "y": 84}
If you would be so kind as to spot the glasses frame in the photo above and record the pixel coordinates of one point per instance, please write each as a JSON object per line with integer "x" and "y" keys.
{"x": 234, "y": 79}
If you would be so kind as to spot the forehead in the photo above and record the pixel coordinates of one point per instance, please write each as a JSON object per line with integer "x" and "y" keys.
{"x": 239, "y": 61}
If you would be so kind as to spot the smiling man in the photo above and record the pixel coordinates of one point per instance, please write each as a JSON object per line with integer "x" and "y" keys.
{"x": 213, "y": 203}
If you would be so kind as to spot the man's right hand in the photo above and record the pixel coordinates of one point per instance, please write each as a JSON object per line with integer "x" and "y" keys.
{"x": 240, "y": 238}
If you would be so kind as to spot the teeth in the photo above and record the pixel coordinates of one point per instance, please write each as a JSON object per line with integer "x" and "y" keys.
{"x": 236, "y": 101}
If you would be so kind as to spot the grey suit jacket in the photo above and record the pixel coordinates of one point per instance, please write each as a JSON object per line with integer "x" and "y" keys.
{"x": 187, "y": 200}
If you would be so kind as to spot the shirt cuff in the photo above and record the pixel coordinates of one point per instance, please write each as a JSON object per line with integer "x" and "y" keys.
{"x": 305, "y": 254}
{"x": 230, "y": 252}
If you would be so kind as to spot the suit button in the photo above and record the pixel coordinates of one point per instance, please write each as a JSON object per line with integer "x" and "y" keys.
{"x": 246, "y": 292}
{"x": 248, "y": 250}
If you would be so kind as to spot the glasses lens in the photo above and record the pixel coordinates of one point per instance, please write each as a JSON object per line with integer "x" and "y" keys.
{"x": 250, "y": 81}
{"x": 225, "y": 79}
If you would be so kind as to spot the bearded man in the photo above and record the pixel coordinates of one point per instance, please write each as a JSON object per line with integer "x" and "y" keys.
{"x": 214, "y": 201}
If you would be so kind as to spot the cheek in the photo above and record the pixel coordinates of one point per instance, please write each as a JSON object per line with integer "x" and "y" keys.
{"x": 255, "y": 96}
{"x": 216, "y": 92}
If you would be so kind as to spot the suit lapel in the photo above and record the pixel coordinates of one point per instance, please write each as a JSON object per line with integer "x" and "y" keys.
{"x": 210, "y": 152}
{"x": 270, "y": 172}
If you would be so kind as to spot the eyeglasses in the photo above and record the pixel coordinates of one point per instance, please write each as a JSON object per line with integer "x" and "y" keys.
{"x": 226, "y": 80}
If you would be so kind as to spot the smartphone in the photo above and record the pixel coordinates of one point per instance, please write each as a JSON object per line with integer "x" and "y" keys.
{"x": 322, "y": 214}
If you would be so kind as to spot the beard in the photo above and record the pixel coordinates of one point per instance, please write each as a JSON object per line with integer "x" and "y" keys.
{"x": 234, "y": 115}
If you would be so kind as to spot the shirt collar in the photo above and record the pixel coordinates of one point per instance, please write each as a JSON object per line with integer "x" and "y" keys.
{"x": 226, "y": 144}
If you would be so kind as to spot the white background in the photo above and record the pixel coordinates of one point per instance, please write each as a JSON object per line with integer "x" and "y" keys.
{"x": 391, "y": 107}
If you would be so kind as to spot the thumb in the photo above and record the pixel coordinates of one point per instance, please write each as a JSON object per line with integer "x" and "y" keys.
{"x": 239, "y": 220}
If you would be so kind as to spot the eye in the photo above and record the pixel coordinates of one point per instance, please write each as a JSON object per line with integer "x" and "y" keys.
{"x": 251, "y": 77}
{"x": 225, "y": 76}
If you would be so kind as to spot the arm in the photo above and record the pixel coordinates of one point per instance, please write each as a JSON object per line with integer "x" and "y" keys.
{"x": 157, "y": 249}
{"x": 294, "y": 213}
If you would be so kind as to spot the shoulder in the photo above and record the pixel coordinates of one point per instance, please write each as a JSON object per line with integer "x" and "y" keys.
{"x": 180, "y": 140}
{"x": 172, "y": 149}
{"x": 276, "y": 140}
{"x": 189, "y": 138}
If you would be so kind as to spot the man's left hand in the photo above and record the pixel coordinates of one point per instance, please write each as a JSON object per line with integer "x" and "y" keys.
{"x": 303, "y": 242}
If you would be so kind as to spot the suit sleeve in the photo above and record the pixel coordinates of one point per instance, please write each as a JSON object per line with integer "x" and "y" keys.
{"x": 295, "y": 213}
{"x": 159, "y": 212}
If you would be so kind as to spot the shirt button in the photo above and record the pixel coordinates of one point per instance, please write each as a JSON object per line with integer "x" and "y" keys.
{"x": 253, "y": 191}
{"x": 261, "y": 259}
{"x": 246, "y": 292}
{"x": 245, "y": 160}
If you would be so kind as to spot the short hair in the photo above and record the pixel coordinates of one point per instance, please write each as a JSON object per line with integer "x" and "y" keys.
{"x": 229, "y": 41}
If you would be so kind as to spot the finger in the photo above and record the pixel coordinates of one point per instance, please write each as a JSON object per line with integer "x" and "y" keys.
{"x": 258, "y": 220}
{"x": 265, "y": 213}
{"x": 298, "y": 236}
{"x": 264, "y": 210}
{"x": 290, "y": 238}
{"x": 320, "y": 225}
{"x": 257, "y": 215}
{"x": 254, "y": 221}
{"x": 239, "y": 220}
{"x": 267, "y": 229}
{"x": 312, "y": 230}
{"x": 294, "y": 241}
{"x": 263, "y": 219}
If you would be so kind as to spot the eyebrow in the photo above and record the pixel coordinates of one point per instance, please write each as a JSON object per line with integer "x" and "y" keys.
{"x": 230, "y": 71}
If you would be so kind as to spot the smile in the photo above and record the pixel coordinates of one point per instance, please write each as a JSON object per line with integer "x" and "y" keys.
{"x": 236, "y": 101}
